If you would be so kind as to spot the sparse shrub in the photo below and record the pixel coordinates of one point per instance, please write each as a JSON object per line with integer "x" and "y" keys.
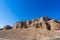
{"x": 56, "y": 39}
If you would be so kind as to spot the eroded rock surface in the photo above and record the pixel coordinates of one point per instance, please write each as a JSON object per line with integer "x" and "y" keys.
{"x": 7, "y": 27}
{"x": 42, "y": 28}
{"x": 43, "y": 23}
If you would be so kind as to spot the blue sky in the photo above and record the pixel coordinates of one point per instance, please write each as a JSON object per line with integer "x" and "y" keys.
{"x": 12, "y": 11}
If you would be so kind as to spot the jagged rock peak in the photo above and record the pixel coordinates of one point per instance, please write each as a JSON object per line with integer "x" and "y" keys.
{"x": 45, "y": 19}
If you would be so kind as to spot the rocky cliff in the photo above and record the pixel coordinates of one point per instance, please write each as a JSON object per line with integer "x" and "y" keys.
{"x": 36, "y": 29}
{"x": 42, "y": 23}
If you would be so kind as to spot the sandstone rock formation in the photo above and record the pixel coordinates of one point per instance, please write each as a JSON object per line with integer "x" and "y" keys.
{"x": 43, "y": 19}
{"x": 7, "y": 27}
{"x": 55, "y": 25}
{"x": 42, "y": 28}
{"x": 18, "y": 25}
{"x": 1, "y": 28}
{"x": 42, "y": 23}
{"x": 28, "y": 23}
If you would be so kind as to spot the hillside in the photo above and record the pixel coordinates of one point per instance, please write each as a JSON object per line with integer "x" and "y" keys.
{"x": 43, "y": 28}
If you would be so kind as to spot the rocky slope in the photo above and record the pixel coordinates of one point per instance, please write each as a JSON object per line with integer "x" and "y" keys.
{"x": 42, "y": 28}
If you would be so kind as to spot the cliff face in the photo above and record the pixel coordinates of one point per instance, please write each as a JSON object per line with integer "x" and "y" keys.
{"x": 42, "y": 28}
{"x": 43, "y": 23}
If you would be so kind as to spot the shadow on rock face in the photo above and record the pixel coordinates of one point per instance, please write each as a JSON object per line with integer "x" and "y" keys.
{"x": 48, "y": 26}
{"x": 7, "y": 27}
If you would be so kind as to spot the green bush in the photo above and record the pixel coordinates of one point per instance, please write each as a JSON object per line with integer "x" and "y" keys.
{"x": 56, "y": 39}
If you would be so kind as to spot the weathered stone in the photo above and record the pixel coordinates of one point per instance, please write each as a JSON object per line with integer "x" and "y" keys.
{"x": 43, "y": 23}
{"x": 39, "y": 25}
{"x": 35, "y": 20}
{"x": 54, "y": 24}
{"x": 18, "y": 25}
{"x": 44, "y": 19}
{"x": 7, "y": 27}
{"x": 28, "y": 23}
{"x": 37, "y": 29}
{"x": 1, "y": 28}
{"x": 24, "y": 24}
{"x": 46, "y": 26}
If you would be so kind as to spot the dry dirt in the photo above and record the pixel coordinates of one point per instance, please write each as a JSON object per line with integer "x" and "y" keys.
{"x": 27, "y": 34}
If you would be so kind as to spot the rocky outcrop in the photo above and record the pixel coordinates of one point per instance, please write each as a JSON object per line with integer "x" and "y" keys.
{"x": 7, "y": 27}
{"x": 42, "y": 28}
{"x": 18, "y": 25}
{"x": 43, "y": 19}
{"x": 55, "y": 25}
{"x": 28, "y": 23}
{"x": 44, "y": 23}
{"x": 1, "y": 28}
